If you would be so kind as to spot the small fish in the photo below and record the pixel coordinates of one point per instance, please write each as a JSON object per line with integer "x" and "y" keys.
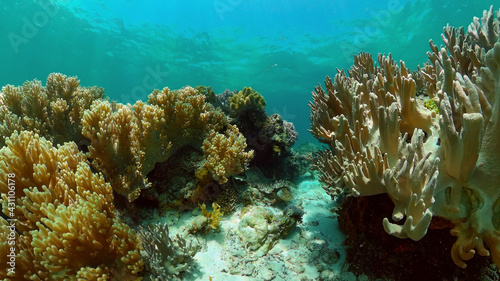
{"x": 271, "y": 67}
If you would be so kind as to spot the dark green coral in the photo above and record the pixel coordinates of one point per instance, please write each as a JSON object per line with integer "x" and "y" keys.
{"x": 431, "y": 105}
{"x": 246, "y": 100}
{"x": 208, "y": 92}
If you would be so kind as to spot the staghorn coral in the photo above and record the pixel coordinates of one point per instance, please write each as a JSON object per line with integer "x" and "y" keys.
{"x": 431, "y": 164}
{"x": 225, "y": 154}
{"x": 67, "y": 228}
{"x": 127, "y": 141}
{"x": 54, "y": 111}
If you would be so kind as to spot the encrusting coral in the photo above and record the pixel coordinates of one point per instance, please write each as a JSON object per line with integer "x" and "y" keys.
{"x": 431, "y": 163}
{"x": 65, "y": 221}
{"x": 54, "y": 111}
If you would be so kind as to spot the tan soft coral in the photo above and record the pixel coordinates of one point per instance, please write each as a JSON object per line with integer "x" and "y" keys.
{"x": 364, "y": 123}
{"x": 53, "y": 111}
{"x": 476, "y": 177}
{"x": 65, "y": 214}
{"x": 225, "y": 154}
{"x": 127, "y": 141}
{"x": 115, "y": 146}
{"x": 441, "y": 163}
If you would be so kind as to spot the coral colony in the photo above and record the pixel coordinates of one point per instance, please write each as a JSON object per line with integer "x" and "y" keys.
{"x": 75, "y": 166}
{"x": 444, "y": 163}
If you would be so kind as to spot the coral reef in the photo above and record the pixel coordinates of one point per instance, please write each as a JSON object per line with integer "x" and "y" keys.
{"x": 66, "y": 150}
{"x": 223, "y": 100}
{"x": 188, "y": 177}
{"x": 273, "y": 145}
{"x": 179, "y": 182}
{"x": 225, "y": 154}
{"x": 65, "y": 223}
{"x": 166, "y": 258}
{"x": 54, "y": 111}
{"x": 280, "y": 133}
{"x": 431, "y": 164}
{"x": 269, "y": 140}
{"x": 127, "y": 141}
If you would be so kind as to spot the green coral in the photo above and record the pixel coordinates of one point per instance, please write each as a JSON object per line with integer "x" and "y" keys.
{"x": 208, "y": 92}
{"x": 431, "y": 105}
{"x": 246, "y": 100}
{"x": 207, "y": 220}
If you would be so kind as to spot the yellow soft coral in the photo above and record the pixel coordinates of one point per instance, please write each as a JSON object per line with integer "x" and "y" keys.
{"x": 225, "y": 154}
{"x": 214, "y": 216}
{"x": 381, "y": 141}
{"x": 65, "y": 214}
{"x": 127, "y": 141}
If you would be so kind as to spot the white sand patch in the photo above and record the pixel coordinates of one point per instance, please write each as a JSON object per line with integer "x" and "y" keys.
{"x": 312, "y": 250}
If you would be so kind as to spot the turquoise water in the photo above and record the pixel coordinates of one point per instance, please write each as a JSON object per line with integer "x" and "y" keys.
{"x": 280, "y": 48}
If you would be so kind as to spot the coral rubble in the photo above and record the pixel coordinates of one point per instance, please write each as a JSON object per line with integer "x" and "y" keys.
{"x": 166, "y": 257}
{"x": 431, "y": 164}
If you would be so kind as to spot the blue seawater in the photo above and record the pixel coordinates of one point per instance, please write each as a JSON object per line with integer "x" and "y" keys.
{"x": 280, "y": 48}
